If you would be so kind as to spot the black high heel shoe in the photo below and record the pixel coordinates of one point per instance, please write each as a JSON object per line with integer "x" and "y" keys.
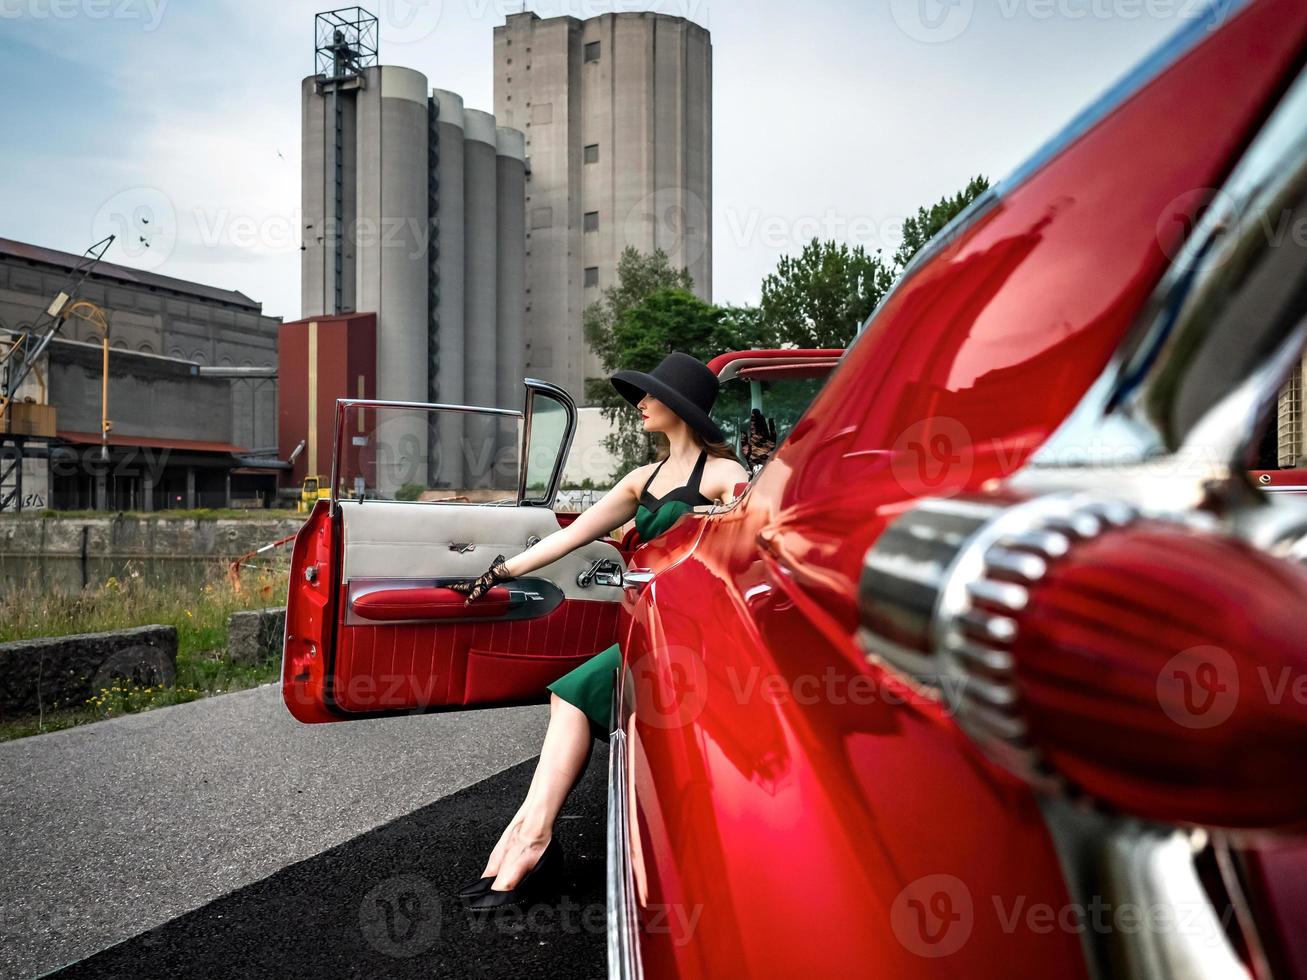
{"x": 476, "y": 886}
{"x": 533, "y": 886}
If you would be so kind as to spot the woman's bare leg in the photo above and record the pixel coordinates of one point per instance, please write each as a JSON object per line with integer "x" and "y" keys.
{"x": 563, "y": 757}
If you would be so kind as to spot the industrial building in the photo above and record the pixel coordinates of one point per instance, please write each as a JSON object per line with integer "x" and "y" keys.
{"x": 191, "y": 391}
{"x": 617, "y": 112}
{"x": 414, "y": 211}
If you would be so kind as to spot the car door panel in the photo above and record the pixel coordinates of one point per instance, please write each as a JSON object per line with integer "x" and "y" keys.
{"x": 404, "y": 642}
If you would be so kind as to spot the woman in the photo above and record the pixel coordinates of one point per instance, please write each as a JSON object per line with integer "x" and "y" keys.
{"x": 698, "y": 468}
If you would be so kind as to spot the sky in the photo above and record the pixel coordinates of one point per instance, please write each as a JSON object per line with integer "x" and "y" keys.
{"x": 176, "y": 122}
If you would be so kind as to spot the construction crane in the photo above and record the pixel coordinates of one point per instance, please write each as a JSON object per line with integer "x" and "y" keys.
{"x": 33, "y": 341}
{"x": 86, "y": 310}
{"x": 22, "y": 350}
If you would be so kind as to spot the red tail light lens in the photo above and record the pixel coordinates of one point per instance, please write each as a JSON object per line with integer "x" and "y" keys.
{"x": 1165, "y": 670}
{"x": 1160, "y": 667}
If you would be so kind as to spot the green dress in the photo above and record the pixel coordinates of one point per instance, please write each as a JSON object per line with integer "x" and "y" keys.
{"x": 589, "y": 685}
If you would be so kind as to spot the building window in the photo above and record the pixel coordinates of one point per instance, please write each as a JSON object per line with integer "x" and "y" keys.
{"x": 591, "y": 222}
{"x": 592, "y": 51}
{"x": 591, "y": 276}
{"x": 591, "y": 153}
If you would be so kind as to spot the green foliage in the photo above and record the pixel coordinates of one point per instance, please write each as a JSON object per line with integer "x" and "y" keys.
{"x": 199, "y": 611}
{"x": 410, "y": 491}
{"x": 668, "y": 318}
{"x": 823, "y": 296}
{"x": 928, "y": 222}
{"x": 820, "y": 297}
{"x": 638, "y": 275}
{"x": 647, "y": 313}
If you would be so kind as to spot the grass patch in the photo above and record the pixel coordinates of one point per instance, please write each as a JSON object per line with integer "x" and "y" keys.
{"x": 199, "y": 612}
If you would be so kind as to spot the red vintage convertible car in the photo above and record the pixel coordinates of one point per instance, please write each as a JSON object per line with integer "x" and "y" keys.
{"x": 998, "y": 667}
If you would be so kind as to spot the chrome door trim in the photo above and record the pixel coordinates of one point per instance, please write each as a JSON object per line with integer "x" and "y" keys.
{"x": 623, "y": 929}
{"x": 344, "y": 404}
{"x": 534, "y": 385}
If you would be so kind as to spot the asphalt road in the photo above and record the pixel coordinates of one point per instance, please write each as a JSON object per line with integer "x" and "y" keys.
{"x": 223, "y": 838}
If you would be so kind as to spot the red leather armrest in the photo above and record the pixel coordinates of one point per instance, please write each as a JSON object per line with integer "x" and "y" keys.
{"x": 429, "y": 603}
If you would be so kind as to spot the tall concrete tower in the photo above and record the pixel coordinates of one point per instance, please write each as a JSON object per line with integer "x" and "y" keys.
{"x": 617, "y": 112}
{"x": 414, "y": 209}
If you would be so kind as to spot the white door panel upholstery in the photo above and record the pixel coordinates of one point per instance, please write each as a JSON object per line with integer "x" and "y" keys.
{"x": 404, "y": 539}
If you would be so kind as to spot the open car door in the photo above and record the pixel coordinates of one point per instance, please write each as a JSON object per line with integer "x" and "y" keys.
{"x": 423, "y": 495}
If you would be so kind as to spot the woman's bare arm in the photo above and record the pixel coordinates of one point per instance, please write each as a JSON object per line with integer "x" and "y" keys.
{"x": 612, "y": 510}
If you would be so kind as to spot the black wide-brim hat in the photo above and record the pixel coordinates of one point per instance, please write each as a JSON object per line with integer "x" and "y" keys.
{"x": 681, "y": 382}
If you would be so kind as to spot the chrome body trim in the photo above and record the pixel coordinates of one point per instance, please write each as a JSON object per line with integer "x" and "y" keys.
{"x": 1185, "y": 395}
{"x": 623, "y": 927}
{"x": 1114, "y": 865}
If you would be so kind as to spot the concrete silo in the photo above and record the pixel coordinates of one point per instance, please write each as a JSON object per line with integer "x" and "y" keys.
{"x": 390, "y": 242}
{"x": 510, "y": 331}
{"x": 480, "y": 282}
{"x": 445, "y": 290}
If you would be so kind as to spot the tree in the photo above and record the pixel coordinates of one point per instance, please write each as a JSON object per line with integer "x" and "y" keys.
{"x": 821, "y": 297}
{"x": 638, "y": 275}
{"x": 918, "y": 230}
{"x": 667, "y": 319}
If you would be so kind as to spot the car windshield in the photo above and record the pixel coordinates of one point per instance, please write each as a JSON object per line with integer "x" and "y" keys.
{"x": 784, "y": 399}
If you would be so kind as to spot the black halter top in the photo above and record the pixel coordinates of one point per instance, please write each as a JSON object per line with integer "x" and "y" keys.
{"x": 689, "y": 493}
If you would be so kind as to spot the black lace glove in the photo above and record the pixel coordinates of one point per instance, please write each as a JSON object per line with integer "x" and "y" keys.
{"x": 758, "y": 440}
{"x": 479, "y": 586}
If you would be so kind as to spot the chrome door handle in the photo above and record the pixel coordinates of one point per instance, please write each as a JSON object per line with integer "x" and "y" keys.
{"x": 637, "y": 578}
{"x": 603, "y": 571}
